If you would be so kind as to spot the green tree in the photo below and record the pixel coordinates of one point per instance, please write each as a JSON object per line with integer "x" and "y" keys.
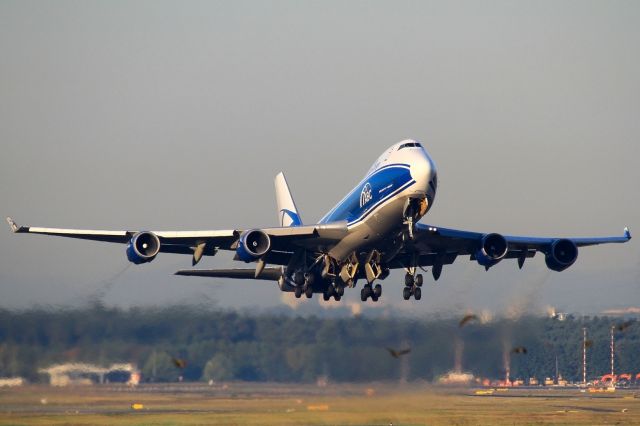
{"x": 218, "y": 368}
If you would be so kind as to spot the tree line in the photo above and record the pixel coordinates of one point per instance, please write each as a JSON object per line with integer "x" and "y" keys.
{"x": 226, "y": 345}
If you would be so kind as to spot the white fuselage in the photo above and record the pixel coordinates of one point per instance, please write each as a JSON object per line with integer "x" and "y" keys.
{"x": 375, "y": 208}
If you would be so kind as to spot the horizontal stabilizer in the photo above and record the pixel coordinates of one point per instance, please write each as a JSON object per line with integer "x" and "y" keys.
{"x": 270, "y": 274}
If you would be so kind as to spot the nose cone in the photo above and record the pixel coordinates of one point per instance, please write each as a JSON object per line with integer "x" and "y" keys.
{"x": 423, "y": 169}
{"x": 426, "y": 176}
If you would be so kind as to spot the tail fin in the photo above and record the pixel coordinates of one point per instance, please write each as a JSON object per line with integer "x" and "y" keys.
{"x": 287, "y": 210}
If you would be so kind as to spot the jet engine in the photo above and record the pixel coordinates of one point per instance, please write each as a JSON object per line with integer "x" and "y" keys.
{"x": 493, "y": 247}
{"x": 143, "y": 247}
{"x": 562, "y": 254}
{"x": 252, "y": 245}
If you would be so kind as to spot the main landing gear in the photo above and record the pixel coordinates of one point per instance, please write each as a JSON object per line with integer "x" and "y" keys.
{"x": 412, "y": 286}
{"x": 304, "y": 284}
{"x": 335, "y": 290}
{"x": 370, "y": 292}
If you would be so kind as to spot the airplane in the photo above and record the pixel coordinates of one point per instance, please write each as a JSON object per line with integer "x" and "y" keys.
{"x": 371, "y": 231}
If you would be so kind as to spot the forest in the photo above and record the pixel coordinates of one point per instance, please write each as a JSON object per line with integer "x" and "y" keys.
{"x": 220, "y": 345}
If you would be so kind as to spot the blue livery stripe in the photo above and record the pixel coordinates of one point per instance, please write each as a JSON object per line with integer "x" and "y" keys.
{"x": 373, "y": 190}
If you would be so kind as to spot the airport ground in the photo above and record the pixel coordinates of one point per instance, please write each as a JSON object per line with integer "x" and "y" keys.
{"x": 343, "y": 404}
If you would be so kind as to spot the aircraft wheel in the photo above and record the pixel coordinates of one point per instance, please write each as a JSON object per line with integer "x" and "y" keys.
{"x": 363, "y": 295}
{"x": 308, "y": 292}
{"x": 326, "y": 296}
{"x": 337, "y": 297}
{"x": 408, "y": 280}
{"x": 417, "y": 293}
{"x": 406, "y": 293}
{"x": 374, "y": 297}
{"x": 419, "y": 280}
{"x": 340, "y": 290}
{"x": 298, "y": 278}
{"x": 298, "y": 292}
{"x": 377, "y": 291}
{"x": 309, "y": 279}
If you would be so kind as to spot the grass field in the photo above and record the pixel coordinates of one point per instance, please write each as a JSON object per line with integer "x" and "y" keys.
{"x": 256, "y": 404}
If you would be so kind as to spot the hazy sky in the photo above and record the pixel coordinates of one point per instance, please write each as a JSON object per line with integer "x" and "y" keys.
{"x": 177, "y": 115}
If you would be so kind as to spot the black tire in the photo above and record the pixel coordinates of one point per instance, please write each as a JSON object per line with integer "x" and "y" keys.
{"x": 417, "y": 293}
{"x": 309, "y": 279}
{"x": 406, "y": 293}
{"x": 374, "y": 297}
{"x": 298, "y": 292}
{"x": 308, "y": 292}
{"x": 326, "y": 296}
{"x": 363, "y": 295}
{"x": 408, "y": 280}
{"x": 340, "y": 290}
{"x": 377, "y": 291}
{"x": 298, "y": 278}
{"x": 419, "y": 280}
{"x": 337, "y": 297}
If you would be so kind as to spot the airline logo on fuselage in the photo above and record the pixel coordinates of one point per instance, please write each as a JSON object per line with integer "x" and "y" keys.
{"x": 366, "y": 194}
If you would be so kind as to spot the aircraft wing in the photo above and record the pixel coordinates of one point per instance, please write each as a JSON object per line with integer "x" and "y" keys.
{"x": 284, "y": 240}
{"x": 434, "y": 245}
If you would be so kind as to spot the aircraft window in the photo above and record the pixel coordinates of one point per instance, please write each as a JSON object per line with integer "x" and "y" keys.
{"x": 409, "y": 145}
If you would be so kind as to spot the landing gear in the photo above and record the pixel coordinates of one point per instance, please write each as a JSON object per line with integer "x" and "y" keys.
{"x": 370, "y": 292}
{"x": 308, "y": 291}
{"x": 412, "y": 286}
{"x": 406, "y": 293}
{"x": 337, "y": 291}
{"x": 298, "y": 292}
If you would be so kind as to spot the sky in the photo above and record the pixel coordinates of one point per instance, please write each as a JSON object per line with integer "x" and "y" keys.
{"x": 177, "y": 116}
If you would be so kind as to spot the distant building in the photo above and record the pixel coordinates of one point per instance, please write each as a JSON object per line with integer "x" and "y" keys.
{"x": 11, "y": 381}
{"x": 88, "y": 374}
{"x": 456, "y": 378}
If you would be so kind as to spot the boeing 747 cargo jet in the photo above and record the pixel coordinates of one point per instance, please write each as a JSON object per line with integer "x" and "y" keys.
{"x": 373, "y": 230}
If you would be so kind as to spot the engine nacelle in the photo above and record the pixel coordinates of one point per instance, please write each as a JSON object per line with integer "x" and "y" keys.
{"x": 143, "y": 247}
{"x": 562, "y": 254}
{"x": 252, "y": 245}
{"x": 493, "y": 247}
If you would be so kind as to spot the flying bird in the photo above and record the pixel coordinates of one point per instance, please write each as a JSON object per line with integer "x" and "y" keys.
{"x": 398, "y": 353}
{"x": 519, "y": 350}
{"x": 179, "y": 363}
{"x": 466, "y": 319}
{"x": 624, "y": 325}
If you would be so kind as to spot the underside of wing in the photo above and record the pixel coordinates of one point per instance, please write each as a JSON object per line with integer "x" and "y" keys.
{"x": 276, "y": 245}
{"x": 436, "y": 246}
{"x": 271, "y": 274}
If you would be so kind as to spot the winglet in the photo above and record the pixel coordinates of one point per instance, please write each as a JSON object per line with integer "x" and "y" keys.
{"x": 13, "y": 225}
{"x": 627, "y": 233}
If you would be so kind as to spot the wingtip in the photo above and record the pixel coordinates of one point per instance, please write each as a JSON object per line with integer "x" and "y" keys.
{"x": 627, "y": 233}
{"x": 12, "y": 224}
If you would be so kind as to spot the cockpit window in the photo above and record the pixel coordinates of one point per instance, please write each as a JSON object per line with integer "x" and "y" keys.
{"x": 409, "y": 145}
